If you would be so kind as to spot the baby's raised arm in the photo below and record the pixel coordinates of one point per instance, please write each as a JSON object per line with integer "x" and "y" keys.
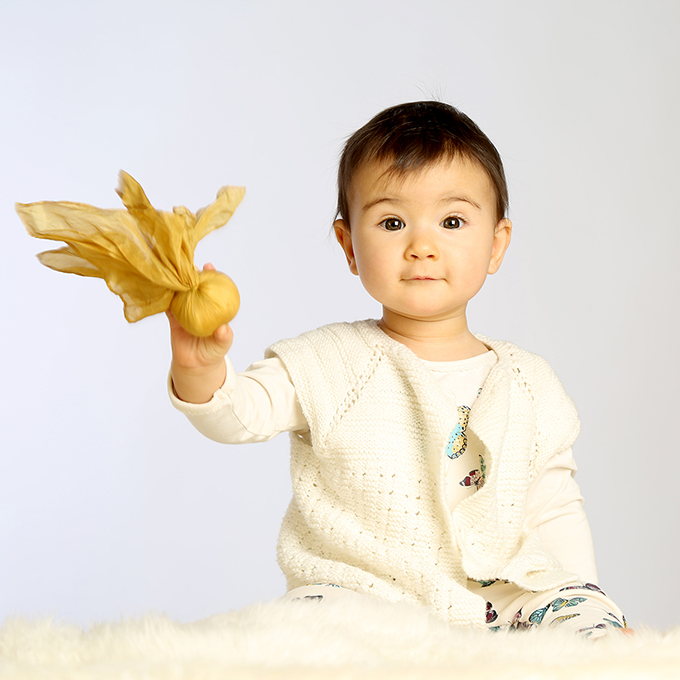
{"x": 198, "y": 368}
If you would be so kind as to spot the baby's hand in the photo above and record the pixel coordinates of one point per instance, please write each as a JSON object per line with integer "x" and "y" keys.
{"x": 198, "y": 367}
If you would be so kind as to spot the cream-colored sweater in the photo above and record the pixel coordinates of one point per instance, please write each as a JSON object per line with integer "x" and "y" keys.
{"x": 369, "y": 510}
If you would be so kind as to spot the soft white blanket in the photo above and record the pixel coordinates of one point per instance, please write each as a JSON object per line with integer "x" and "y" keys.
{"x": 334, "y": 640}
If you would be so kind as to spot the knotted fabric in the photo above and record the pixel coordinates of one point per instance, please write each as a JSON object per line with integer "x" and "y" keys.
{"x": 145, "y": 256}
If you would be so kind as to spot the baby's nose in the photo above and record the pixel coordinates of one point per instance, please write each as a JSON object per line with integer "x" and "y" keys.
{"x": 422, "y": 246}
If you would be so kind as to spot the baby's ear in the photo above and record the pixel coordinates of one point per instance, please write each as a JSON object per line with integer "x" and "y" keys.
{"x": 501, "y": 241}
{"x": 344, "y": 236}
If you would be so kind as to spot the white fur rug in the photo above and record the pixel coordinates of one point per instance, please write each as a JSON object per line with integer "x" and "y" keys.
{"x": 337, "y": 640}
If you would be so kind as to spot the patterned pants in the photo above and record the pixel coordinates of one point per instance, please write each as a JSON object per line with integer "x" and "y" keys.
{"x": 579, "y": 607}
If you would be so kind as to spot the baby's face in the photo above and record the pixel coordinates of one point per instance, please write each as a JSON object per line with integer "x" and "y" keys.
{"x": 423, "y": 244}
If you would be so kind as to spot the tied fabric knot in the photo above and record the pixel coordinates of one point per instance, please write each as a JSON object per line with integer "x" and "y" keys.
{"x": 146, "y": 256}
{"x": 458, "y": 440}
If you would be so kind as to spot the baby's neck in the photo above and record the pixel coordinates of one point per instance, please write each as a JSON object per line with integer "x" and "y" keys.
{"x": 436, "y": 341}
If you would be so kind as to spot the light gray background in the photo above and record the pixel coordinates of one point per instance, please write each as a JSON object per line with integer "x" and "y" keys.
{"x": 110, "y": 503}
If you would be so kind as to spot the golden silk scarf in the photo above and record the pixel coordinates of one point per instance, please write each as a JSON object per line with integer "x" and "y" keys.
{"x": 146, "y": 256}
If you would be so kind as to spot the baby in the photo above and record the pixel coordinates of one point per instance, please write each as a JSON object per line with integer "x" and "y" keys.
{"x": 429, "y": 464}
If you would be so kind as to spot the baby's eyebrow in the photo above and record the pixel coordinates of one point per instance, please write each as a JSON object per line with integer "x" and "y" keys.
{"x": 446, "y": 199}
{"x": 464, "y": 199}
{"x": 384, "y": 199}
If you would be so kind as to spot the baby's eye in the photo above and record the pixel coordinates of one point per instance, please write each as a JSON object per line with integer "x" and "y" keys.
{"x": 452, "y": 223}
{"x": 392, "y": 224}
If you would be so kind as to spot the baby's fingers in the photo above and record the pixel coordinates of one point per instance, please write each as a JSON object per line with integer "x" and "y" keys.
{"x": 222, "y": 339}
{"x": 172, "y": 319}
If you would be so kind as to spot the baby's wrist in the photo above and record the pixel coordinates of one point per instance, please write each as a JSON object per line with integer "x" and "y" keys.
{"x": 197, "y": 370}
{"x": 197, "y": 385}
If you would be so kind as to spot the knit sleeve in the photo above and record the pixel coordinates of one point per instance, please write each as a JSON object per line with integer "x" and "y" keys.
{"x": 556, "y": 419}
{"x": 328, "y": 368}
{"x": 557, "y": 422}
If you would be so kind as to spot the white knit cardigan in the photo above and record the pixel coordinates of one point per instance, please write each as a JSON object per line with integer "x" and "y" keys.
{"x": 369, "y": 509}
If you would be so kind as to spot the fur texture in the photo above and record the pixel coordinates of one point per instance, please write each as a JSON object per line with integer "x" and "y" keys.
{"x": 340, "y": 639}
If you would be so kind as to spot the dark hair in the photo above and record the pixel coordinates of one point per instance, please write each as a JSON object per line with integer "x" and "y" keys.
{"x": 414, "y": 135}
